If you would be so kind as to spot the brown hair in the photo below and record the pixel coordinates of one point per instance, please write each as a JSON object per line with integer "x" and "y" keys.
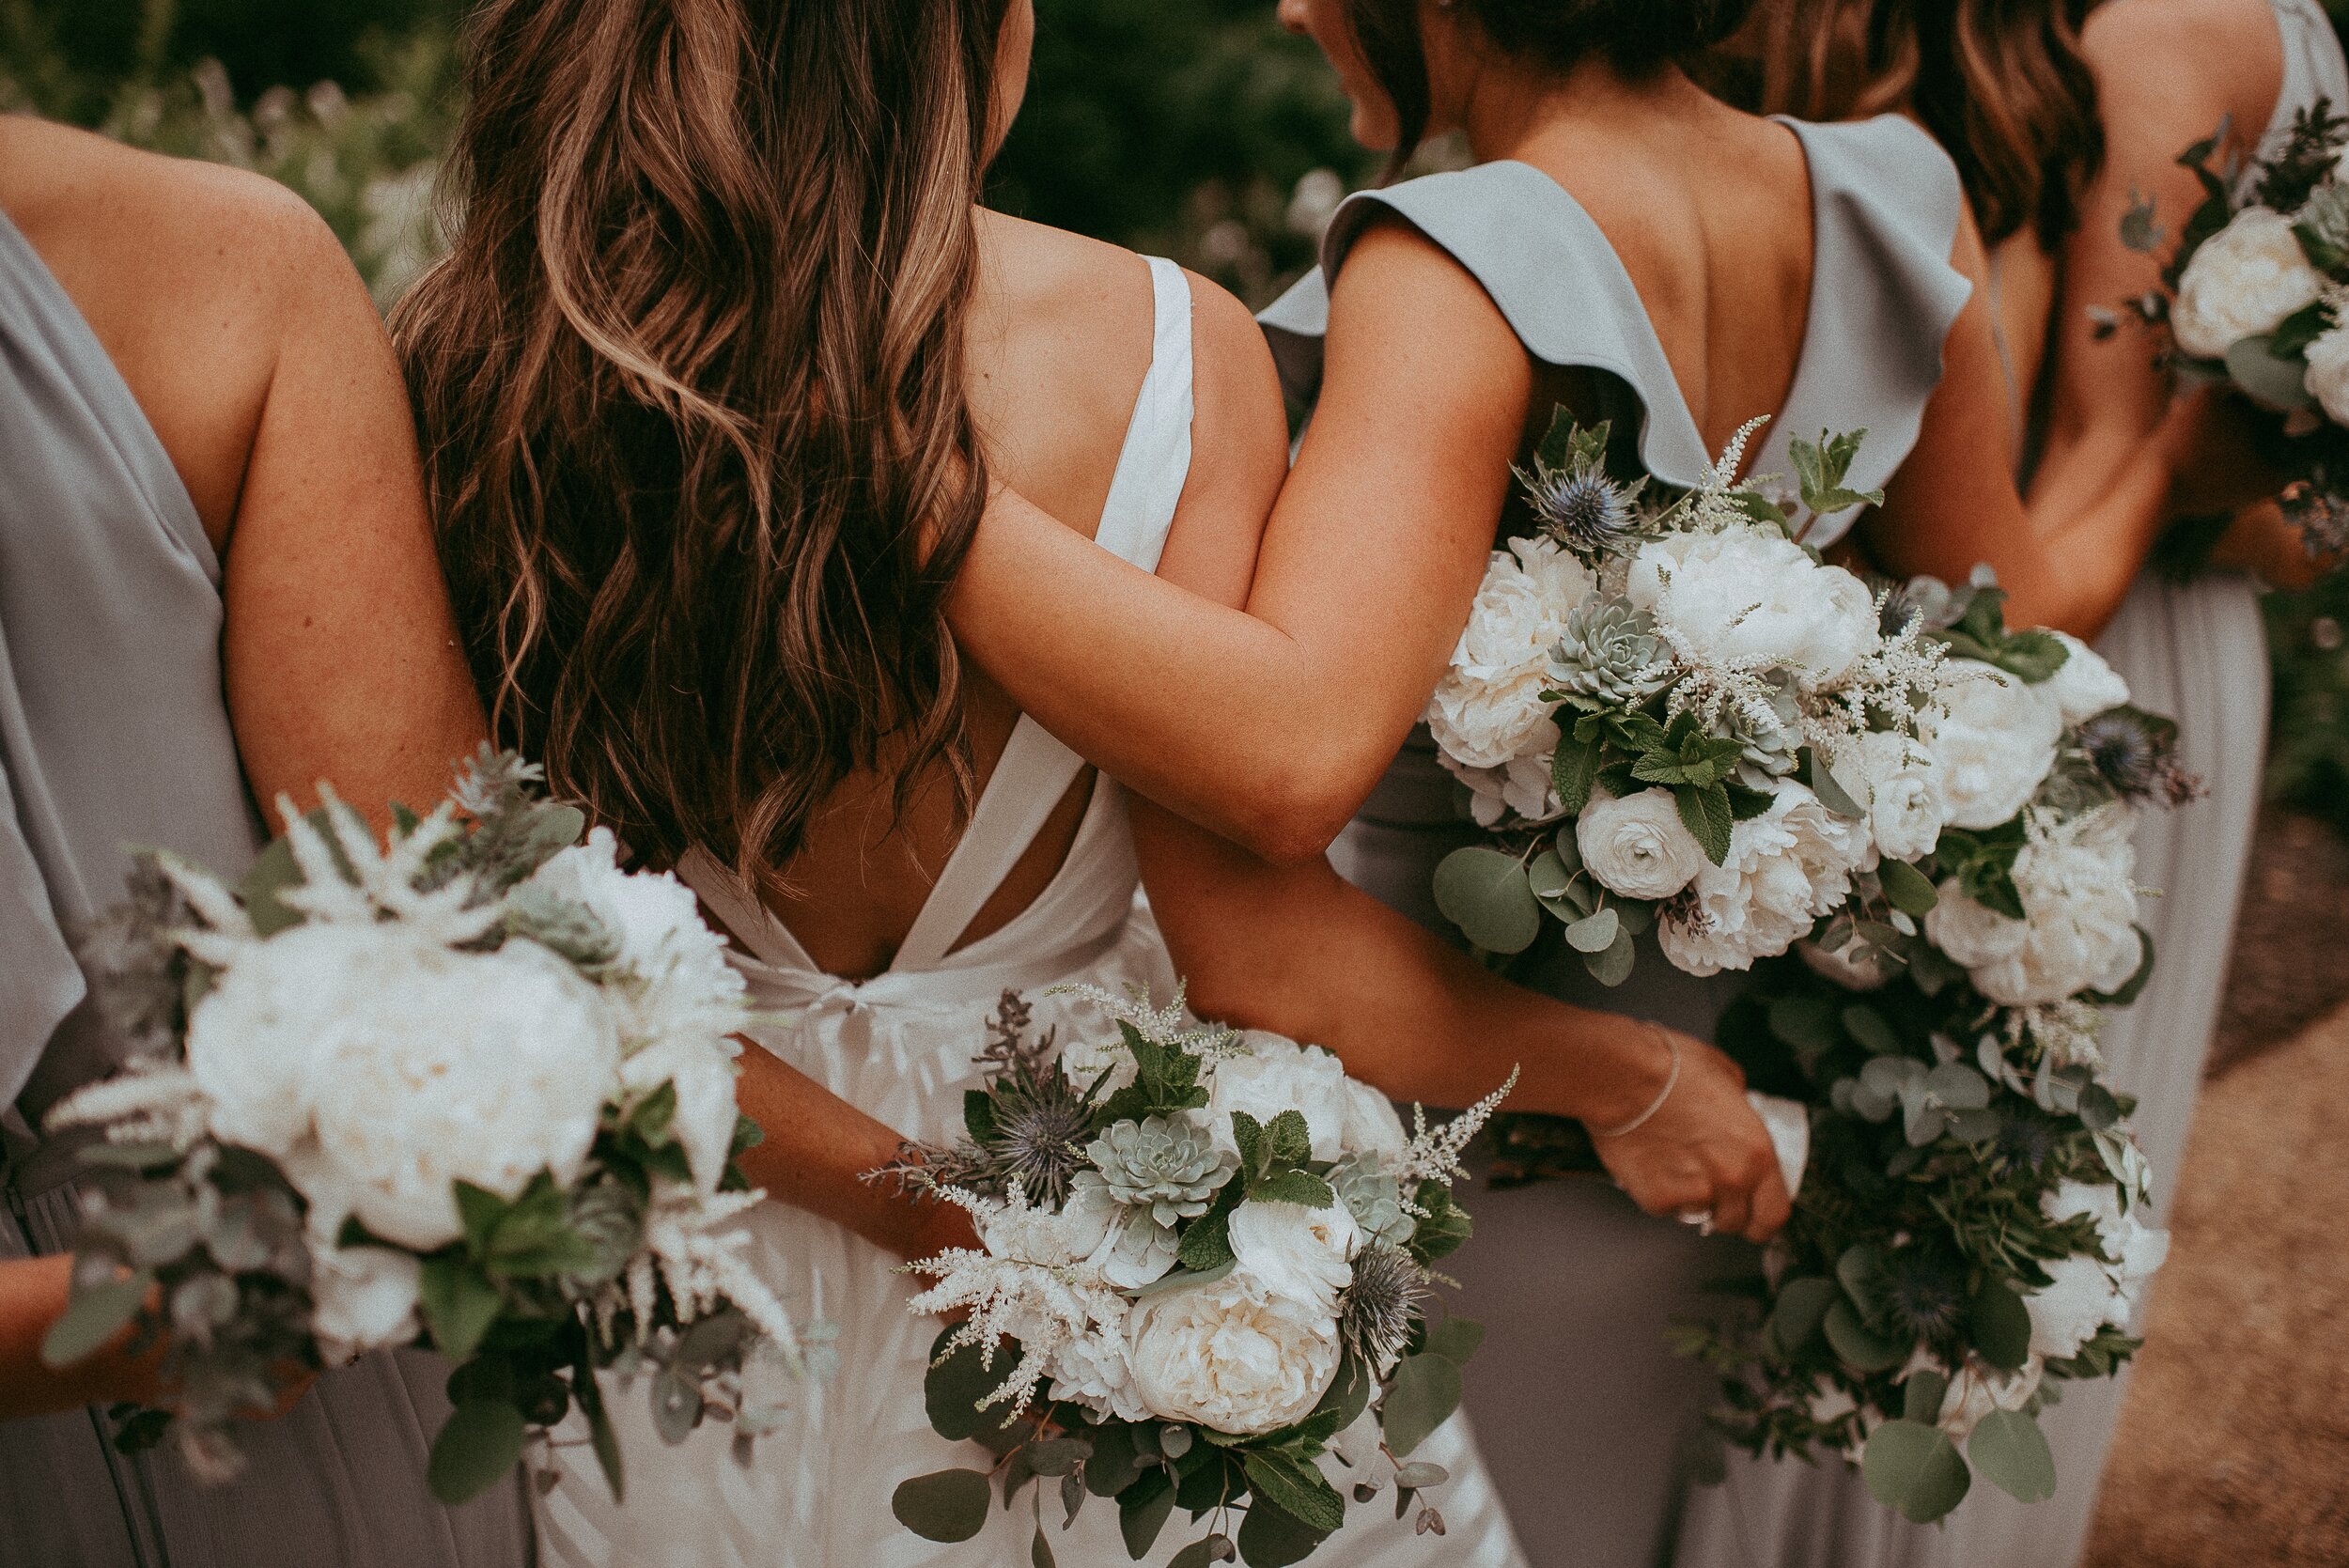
{"x": 690, "y": 390}
{"x": 2001, "y": 83}
{"x": 1636, "y": 37}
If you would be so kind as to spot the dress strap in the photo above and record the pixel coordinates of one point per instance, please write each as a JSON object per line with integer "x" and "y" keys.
{"x": 1036, "y": 768}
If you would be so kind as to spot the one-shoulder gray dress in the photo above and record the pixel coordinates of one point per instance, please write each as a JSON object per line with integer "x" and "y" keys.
{"x": 114, "y": 732}
{"x": 1588, "y": 1420}
{"x": 2198, "y": 652}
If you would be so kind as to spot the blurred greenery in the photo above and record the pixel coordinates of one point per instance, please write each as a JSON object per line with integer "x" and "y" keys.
{"x": 1195, "y": 128}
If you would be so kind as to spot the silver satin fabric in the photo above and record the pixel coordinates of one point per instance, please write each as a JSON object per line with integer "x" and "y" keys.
{"x": 114, "y": 732}
{"x": 1588, "y": 1420}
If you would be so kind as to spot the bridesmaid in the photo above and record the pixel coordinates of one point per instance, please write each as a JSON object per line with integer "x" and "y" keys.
{"x": 2091, "y": 110}
{"x": 215, "y": 569}
{"x": 1593, "y": 257}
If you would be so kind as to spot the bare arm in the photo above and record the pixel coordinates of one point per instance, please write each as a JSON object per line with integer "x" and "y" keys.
{"x": 341, "y": 655}
{"x": 1364, "y": 580}
{"x": 33, "y": 1294}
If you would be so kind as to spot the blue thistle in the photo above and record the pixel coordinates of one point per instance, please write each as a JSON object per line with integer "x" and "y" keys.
{"x": 1582, "y": 509}
{"x": 2136, "y": 755}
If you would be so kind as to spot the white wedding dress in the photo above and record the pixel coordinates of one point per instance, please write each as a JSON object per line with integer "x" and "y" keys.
{"x": 900, "y": 1048}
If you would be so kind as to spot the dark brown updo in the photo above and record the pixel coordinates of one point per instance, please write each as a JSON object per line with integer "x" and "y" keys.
{"x": 1637, "y": 38}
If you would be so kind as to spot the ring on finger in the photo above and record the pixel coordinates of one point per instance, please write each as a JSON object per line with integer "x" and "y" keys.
{"x": 1701, "y": 1219}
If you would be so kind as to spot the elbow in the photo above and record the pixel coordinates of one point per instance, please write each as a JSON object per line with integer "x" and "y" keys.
{"x": 1298, "y": 813}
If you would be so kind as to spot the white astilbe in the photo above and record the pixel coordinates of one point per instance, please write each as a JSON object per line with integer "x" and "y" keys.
{"x": 1161, "y": 1026}
{"x": 701, "y": 1263}
{"x": 1042, "y": 1305}
{"x": 151, "y": 1101}
{"x": 1434, "y": 1154}
{"x": 380, "y": 882}
{"x": 1710, "y": 502}
{"x": 1889, "y": 681}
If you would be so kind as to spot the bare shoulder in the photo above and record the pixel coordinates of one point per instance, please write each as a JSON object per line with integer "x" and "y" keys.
{"x": 2187, "y": 60}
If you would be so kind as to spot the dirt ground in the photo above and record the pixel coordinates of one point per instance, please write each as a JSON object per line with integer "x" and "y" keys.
{"x": 2233, "y": 1448}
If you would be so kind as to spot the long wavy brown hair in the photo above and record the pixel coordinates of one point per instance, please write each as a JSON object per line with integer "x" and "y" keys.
{"x": 690, "y": 390}
{"x": 2001, "y": 83}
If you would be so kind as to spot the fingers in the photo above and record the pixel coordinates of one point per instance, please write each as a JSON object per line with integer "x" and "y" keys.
{"x": 1732, "y": 1210}
{"x": 1773, "y": 1205}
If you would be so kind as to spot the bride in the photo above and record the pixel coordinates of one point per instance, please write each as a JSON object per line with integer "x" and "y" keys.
{"x": 712, "y": 388}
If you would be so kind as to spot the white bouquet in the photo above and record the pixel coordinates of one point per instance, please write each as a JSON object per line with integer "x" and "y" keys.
{"x": 1205, "y": 1255}
{"x": 473, "y": 1088}
{"x": 1670, "y": 712}
{"x": 2252, "y": 297}
{"x": 1972, "y": 1231}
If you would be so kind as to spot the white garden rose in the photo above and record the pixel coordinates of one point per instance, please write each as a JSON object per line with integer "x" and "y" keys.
{"x": 1993, "y": 739}
{"x": 1278, "y": 1075}
{"x": 481, "y": 1067}
{"x": 363, "y": 1299}
{"x": 1785, "y": 868}
{"x": 1233, "y": 1357}
{"x": 2080, "y": 930}
{"x": 1299, "y": 1253}
{"x": 1756, "y": 602}
{"x": 1487, "y": 711}
{"x": 1896, "y": 780}
{"x": 2243, "y": 282}
{"x": 1372, "y": 1127}
{"x": 1977, "y": 1389}
{"x": 2085, "y": 686}
{"x": 2327, "y": 377}
{"x": 1638, "y": 845}
{"x": 381, "y": 1068}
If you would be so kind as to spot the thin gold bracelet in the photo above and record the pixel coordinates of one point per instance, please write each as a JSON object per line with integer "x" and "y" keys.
{"x": 1671, "y": 1081}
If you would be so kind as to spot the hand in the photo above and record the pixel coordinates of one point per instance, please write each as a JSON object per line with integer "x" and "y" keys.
{"x": 2206, "y": 441}
{"x": 2269, "y": 545}
{"x": 1703, "y": 1151}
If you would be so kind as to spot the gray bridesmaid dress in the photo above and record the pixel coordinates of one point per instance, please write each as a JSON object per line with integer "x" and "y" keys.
{"x": 114, "y": 732}
{"x": 2196, "y": 651}
{"x": 1592, "y": 1427}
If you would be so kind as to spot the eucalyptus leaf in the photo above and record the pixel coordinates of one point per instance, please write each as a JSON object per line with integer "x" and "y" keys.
{"x": 459, "y": 1304}
{"x": 1958, "y": 1087}
{"x": 2012, "y": 1453}
{"x": 1420, "y": 1473}
{"x": 1268, "y": 1538}
{"x": 1858, "y": 1346}
{"x": 1830, "y": 790}
{"x": 1455, "y": 1339}
{"x": 951, "y": 1390}
{"x": 2268, "y": 378}
{"x": 1485, "y": 893}
{"x": 1922, "y": 1393}
{"x": 1143, "y": 1510}
{"x": 945, "y": 1505}
{"x": 93, "y": 1317}
{"x": 1867, "y": 1026}
{"x": 1999, "y": 1324}
{"x": 676, "y": 1407}
{"x": 1548, "y": 874}
{"x": 477, "y": 1448}
{"x": 1596, "y": 934}
{"x": 1613, "y": 965}
{"x": 1908, "y": 888}
{"x": 1424, "y": 1393}
{"x": 1057, "y": 1456}
{"x": 1914, "y": 1469}
{"x": 1040, "y": 1551}
{"x": 1801, "y": 1307}
{"x": 1206, "y": 1550}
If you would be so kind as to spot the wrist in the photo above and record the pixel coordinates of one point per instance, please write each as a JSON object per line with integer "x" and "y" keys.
{"x": 1603, "y": 1070}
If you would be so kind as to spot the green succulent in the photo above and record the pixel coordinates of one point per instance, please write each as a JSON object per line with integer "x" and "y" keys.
{"x": 1610, "y": 652}
{"x": 1772, "y": 737}
{"x": 1374, "y": 1199}
{"x": 1167, "y": 1165}
{"x": 2325, "y": 218}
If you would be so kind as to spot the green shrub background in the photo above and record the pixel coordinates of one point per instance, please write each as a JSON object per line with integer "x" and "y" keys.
{"x": 1195, "y": 128}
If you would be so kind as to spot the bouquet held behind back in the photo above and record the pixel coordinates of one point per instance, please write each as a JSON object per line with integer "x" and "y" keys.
{"x": 471, "y": 1088}
{"x": 1671, "y": 715}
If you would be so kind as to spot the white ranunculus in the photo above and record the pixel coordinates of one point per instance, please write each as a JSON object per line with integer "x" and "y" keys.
{"x": 1233, "y": 1357}
{"x": 1278, "y": 1075}
{"x": 2243, "y": 282}
{"x": 2327, "y": 377}
{"x": 1638, "y": 845}
{"x": 1896, "y": 780}
{"x": 1487, "y": 711}
{"x": 364, "y": 1299}
{"x": 1993, "y": 739}
{"x": 1756, "y": 602}
{"x": 1786, "y": 868}
{"x": 382, "y": 1067}
{"x": 2086, "y": 685}
{"x": 1097, "y": 1371}
{"x": 1372, "y": 1127}
{"x": 1293, "y": 1251}
{"x": 2080, "y": 930}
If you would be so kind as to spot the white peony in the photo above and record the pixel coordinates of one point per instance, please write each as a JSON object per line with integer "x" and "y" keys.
{"x": 2243, "y": 282}
{"x": 1993, "y": 739}
{"x": 1278, "y": 1075}
{"x": 2327, "y": 377}
{"x": 1232, "y": 1357}
{"x": 1896, "y": 780}
{"x": 2080, "y": 930}
{"x": 2088, "y": 1292}
{"x": 1747, "y": 600}
{"x": 1295, "y": 1252}
{"x": 2085, "y": 686}
{"x": 1487, "y": 711}
{"x": 1372, "y": 1127}
{"x": 364, "y": 1299}
{"x": 1786, "y": 868}
{"x": 393, "y": 1067}
{"x": 1638, "y": 845}
{"x": 1096, "y": 1370}
{"x": 672, "y": 974}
